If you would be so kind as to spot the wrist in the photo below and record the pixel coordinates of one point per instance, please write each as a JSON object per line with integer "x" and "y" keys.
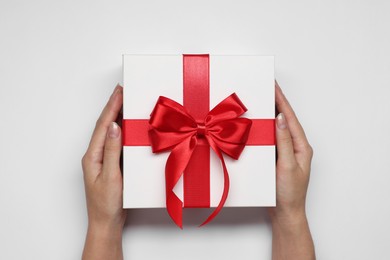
{"x": 107, "y": 228}
{"x": 106, "y": 222}
{"x": 287, "y": 218}
{"x": 103, "y": 241}
{"x": 291, "y": 238}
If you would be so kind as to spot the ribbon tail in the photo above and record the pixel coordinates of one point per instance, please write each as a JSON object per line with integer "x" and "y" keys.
{"x": 174, "y": 208}
{"x": 174, "y": 168}
{"x": 225, "y": 186}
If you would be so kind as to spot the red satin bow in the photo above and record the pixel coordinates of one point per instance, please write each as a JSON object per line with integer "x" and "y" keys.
{"x": 173, "y": 128}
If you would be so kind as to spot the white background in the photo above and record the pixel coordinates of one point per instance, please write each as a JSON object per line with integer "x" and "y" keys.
{"x": 60, "y": 60}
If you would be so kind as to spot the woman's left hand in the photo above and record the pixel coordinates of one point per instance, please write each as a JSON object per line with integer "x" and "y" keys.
{"x": 103, "y": 185}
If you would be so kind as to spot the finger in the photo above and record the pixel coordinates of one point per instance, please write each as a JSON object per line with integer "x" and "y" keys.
{"x": 284, "y": 144}
{"x": 120, "y": 118}
{"x": 112, "y": 150}
{"x": 297, "y": 133}
{"x": 108, "y": 115}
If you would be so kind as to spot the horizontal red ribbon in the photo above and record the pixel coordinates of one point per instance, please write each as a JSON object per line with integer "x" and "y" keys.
{"x": 262, "y": 132}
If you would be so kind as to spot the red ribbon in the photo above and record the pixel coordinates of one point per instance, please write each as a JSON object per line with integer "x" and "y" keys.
{"x": 189, "y": 131}
{"x": 173, "y": 128}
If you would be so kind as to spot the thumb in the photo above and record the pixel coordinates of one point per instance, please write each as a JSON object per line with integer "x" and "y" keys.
{"x": 284, "y": 142}
{"x": 112, "y": 150}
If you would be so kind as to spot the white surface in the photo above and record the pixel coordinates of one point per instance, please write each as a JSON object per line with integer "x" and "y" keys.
{"x": 60, "y": 60}
{"x": 146, "y": 77}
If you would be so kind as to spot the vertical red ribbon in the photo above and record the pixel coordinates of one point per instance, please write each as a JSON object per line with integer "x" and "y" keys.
{"x": 196, "y": 100}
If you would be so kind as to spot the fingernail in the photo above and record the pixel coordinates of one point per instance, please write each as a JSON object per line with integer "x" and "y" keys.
{"x": 117, "y": 89}
{"x": 281, "y": 121}
{"x": 113, "y": 130}
{"x": 278, "y": 86}
{"x": 118, "y": 86}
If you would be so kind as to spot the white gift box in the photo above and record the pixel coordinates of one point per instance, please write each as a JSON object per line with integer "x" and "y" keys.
{"x": 251, "y": 77}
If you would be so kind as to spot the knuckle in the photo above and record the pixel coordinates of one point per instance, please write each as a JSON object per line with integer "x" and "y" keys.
{"x": 308, "y": 150}
{"x": 84, "y": 160}
{"x": 288, "y": 167}
{"x": 112, "y": 147}
{"x": 285, "y": 140}
{"x": 98, "y": 122}
{"x": 90, "y": 158}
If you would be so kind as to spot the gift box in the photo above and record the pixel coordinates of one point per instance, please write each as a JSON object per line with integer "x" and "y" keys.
{"x": 180, "y": 152}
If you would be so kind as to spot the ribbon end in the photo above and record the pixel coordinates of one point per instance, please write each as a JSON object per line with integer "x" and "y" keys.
{"x": 201, "y": 225}
{"x": 178, "y": 221}
{"x": 179, "y": 224}
{"x": 211, "y": 217}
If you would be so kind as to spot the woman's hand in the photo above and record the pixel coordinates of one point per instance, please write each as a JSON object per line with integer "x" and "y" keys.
{"x": 291, "y": 234}
{"x": 103, "y": 185}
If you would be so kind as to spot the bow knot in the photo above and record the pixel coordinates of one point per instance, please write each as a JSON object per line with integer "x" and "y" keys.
{"x": 173, "y": 128}
{"x": 201, "y": 130}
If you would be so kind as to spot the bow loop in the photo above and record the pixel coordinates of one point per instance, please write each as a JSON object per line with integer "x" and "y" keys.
{"x": 231, "y": 135}
{"x": 170, "y": 125}
{"x": 229, "y": 108}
